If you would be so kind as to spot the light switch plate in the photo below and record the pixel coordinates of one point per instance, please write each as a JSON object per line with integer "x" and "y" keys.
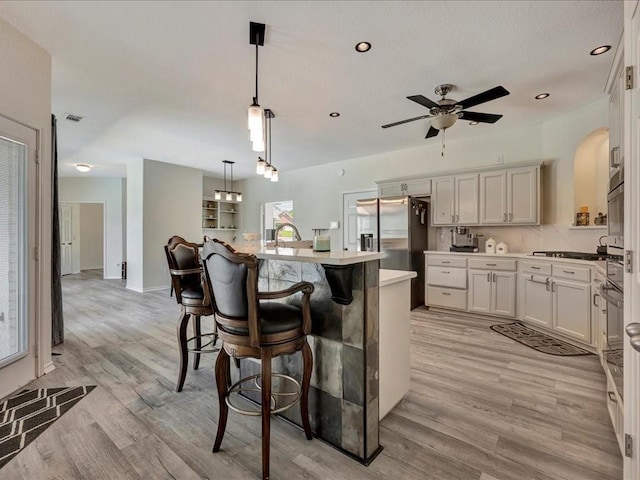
{"x": 334, "y": 225}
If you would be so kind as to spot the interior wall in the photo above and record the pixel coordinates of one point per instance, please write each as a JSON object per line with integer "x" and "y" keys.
{"x": 91, "y": 236}
{"x": 109, "y": 192}
{"x": 591, "y": 169}
{"x": 25, "y": 95}
{"x": 160, "y": 204}
{"x": 317, "y": 191}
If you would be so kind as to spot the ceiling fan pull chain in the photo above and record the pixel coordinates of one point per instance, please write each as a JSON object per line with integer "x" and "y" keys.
{"x": 443, "y": 134}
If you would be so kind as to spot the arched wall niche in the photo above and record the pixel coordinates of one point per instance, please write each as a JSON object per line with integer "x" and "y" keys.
{"x": 591, "y": 173}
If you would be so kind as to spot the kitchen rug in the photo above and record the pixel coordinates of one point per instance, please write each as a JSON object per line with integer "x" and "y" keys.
{"x": 538, "y": 341}
{"x": 31, "y": 412}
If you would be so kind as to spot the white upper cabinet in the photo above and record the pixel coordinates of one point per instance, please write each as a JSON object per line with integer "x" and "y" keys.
{"x": 442, "y": 200}
{"x": 466, "y": 199}
{"x": 510, "y": 196}
{"x": 415, "y": 188}
{"x": 493, "y": 197}
{"x": 455, "y": 200}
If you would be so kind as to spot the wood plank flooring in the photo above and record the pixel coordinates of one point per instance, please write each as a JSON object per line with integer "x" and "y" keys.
{"x": 481, "y": 407}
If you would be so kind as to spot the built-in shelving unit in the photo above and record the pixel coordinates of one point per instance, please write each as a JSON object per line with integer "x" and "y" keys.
{"x": 220, "y": 214}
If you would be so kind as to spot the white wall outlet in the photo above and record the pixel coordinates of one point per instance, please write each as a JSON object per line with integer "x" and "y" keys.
{"x": 500, "y": 159}
{"x": 334, "y": 225}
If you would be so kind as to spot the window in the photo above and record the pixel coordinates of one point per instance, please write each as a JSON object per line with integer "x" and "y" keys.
{"x": 274, "y": 215}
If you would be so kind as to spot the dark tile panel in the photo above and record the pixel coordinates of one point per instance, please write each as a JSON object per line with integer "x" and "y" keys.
{"x": 353, "y": 374}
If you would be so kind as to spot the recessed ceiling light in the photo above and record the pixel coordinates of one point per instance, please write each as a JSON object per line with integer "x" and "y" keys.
{"x": 334, "y": 114}
{"x": 600, "y": 50}
{"x": 542, "y": 96}
{"x": 474, "y": 123}
{"x": 83, "y": 167}
{"x": 363, "y": 47}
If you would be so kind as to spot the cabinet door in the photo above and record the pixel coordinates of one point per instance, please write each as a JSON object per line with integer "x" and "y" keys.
{"x": 572, "y": 309}
{"x": 479, "y": 297}
{"x": 493, "y": 197}
{"x": 390, "y": 189}
{"x": 466, "y": 195}
{"x": 537, "y": 301}
{"x": 503, "y": 296}
{"x": 442, "y": 200}
{"x": 522, "y": 195}
{"x": 418, "y": 187}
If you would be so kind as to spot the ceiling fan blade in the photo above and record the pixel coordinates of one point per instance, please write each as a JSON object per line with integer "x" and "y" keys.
{"x": 483, "y": 97}
{"x": 432, "y": 132}
{"x": 480, "y": 117}
{"x": 424, "y": 101}
{"x": 405, "y": 121}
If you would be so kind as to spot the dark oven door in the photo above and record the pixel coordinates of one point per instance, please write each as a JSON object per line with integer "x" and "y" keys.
{"x": 615, "y": 332}
{"x": 615, "y": 221}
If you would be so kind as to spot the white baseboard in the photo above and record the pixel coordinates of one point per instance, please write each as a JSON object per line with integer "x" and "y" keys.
{"x": 155, "y": 289}
{"x": 49, "y": 367}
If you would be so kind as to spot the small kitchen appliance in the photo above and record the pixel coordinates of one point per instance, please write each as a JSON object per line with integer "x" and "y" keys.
{"x": 463, "y": 241}
{"x": 366, "y": 242}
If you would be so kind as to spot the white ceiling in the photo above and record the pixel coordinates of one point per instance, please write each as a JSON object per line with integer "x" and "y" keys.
{"x": 171, "y": 81}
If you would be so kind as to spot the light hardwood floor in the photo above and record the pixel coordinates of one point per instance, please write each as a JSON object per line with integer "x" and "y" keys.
{"x": 481, "y": 407}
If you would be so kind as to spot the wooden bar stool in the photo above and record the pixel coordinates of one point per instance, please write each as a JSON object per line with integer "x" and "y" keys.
{"x": 249, "y": 328}
{"x": 192, "y": 294}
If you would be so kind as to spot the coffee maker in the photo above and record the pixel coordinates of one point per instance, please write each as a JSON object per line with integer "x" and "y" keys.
{"x": 463, "y": 241}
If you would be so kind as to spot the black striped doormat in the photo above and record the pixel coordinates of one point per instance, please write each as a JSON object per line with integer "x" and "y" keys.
{"x": 31, "y": 412}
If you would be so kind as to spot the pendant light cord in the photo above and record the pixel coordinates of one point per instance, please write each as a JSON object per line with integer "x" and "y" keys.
{"x": 255, "y": 99}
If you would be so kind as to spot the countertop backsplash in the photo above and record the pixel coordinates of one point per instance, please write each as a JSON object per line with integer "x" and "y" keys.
{"x": 530, "y": 238}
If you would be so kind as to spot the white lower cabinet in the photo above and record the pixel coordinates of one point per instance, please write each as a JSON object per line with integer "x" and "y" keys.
{"x": 492, "y": 292}
{"x": 557, "y": 297}
{"x": 572, "y": 309}
{"x": 537, "y": 303}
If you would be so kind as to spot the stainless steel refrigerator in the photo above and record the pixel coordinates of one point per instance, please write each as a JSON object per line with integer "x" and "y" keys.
{"x": 398, "y": 227}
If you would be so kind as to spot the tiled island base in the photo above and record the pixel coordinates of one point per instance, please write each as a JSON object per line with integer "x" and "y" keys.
{"x": 343, "y": 399}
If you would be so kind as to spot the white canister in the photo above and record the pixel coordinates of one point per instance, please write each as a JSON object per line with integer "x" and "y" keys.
{"x": 490, "y": 245}
{"x": 501, "y": 248}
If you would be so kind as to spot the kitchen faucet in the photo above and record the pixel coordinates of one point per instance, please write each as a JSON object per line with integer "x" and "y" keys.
{"x": 281, "y": 226}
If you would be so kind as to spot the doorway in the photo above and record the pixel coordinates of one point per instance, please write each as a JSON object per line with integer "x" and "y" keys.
{"x": 350, "y": 216}
{"x": 82, "y": 230}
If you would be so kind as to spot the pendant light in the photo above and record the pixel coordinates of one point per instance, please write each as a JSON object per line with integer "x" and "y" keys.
{"x": 228, "y": 193}
{"x": 255, "y": 113}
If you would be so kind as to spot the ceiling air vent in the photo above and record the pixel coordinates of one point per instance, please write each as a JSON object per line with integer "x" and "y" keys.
{"x": 73, "y": 118}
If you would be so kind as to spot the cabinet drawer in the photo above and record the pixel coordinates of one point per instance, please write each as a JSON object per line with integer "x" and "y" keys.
{"x": 537, "y": 268}
{"x": 581, "y": 274}
{"x": 491, "y": 264}
{"x": 447, "y": 261}
{"x": 447, "y": 298}
{"x": 447, "y": 277}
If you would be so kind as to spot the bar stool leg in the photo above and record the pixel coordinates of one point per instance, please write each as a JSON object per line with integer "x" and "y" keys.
{"x": 182, "y": 346}
{"x": 266, "y": 410}
{"x": 222, "y": 383}
{"x": 196, "y": 333}
{"x": 307, "y": 363}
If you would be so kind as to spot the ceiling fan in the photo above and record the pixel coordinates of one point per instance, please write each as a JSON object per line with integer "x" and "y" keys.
{"x": 445, "y": 112}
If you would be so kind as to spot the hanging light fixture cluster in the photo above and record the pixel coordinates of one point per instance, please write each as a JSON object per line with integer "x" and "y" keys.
{"x": 228, "y": 194}
{"x": 259, "y": 120}
{"x": 265, "y": 166}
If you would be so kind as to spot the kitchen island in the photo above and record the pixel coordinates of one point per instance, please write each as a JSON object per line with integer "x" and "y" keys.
{"x": 344, "y": 394}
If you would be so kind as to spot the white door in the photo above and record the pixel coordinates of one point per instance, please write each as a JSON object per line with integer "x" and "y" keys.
{"x": 350, "y": 217}
{"x": 493, "y": 197}
{"x": 467, "y": 199}
{"x": 66, "y": 239}
{"x": 572, "y": 309}
{"x": 537, "y": 300}
{"x": 442, "y": 201}
{"x": 18, "y": 235}
{"x": 522, "y": 195}
{"x": 480, "y": 291}
{"x": 631, "y": 146}
{"x": 503, "y": 297}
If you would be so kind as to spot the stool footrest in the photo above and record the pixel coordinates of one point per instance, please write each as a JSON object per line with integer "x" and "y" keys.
{"x": 203, "y": 348}
{"x": 237, "y": 389}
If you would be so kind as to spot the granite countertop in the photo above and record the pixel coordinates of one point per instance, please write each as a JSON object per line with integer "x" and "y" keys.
{"x": 337, "y": 257}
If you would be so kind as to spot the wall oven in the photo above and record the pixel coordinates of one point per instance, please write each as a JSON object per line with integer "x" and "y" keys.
{"x": 615, "y": 216}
